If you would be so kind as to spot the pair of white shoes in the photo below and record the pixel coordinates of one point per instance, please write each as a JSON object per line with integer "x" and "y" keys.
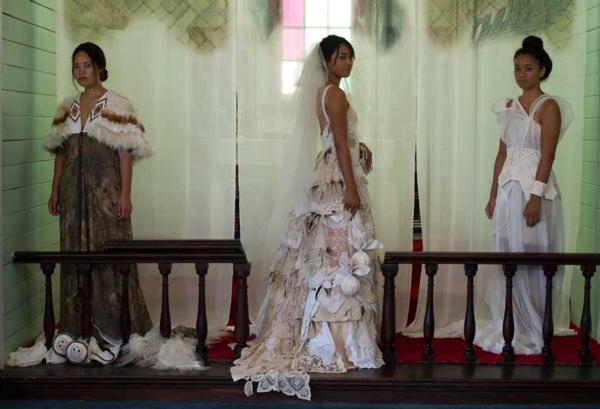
{"x": 78, "y": 351}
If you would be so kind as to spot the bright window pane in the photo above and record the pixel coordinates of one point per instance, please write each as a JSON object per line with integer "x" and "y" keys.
{"x": 289, "y": 73}
{"x": 316, "y": 13}
{"x": 305, "y": 23}
{"x": 342, "y": 32}
{"x": 293, "y": 43}
{"x": 313, "y": 36}
{"x": 293, "y": 13}
{"x": 340, "y": 13}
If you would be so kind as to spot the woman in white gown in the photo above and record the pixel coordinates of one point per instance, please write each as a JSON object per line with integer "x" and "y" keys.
{"x": 525, "y": 203}
{"x": 319, "y": 314}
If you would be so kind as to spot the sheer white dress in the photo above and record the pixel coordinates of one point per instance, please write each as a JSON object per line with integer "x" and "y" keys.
{"x": 522, "y": 136}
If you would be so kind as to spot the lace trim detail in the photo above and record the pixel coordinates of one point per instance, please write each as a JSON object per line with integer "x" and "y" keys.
{"x": 314, "y": 363}
{"x": 290, "y": 384}
{"x": 364, "y": 357}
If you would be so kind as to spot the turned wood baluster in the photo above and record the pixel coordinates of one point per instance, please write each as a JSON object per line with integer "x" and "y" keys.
{"x": 49, "y": 322}
{"x": 388, "y": 318}
{"x": 242, "y": 320}
{"x": 85, "y": 271}
{"x": 124, "y": 271}
{"x": 429, "y": 321}
{"x": 165, "y": 314}
{"x": 201, "y": 322}
{"x": 548, "y": 327}
{"x": 586, "y": 315}
{"x": 508, "y": 325}
{"x": 469, "y": 325}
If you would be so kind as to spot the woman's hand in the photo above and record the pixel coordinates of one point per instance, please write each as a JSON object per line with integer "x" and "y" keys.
{"x": 351, "y": 200}
{"x": 53, "y": 204}
{"x": 489, "y": 207}
{"x": 533, "y": 210}
{"x": 366, "y": 155}
{"x": 124, "y": 207}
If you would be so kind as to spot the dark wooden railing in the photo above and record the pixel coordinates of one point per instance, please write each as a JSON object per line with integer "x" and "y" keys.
{"x": 471, "y": 261}
{"x": 122, "y": 254}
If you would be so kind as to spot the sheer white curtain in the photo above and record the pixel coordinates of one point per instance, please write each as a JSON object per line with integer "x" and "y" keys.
{"x": 383, "y": 94}
{"x": 415, "y": 92}
{"x": 262, "y": 114}
{"x": 384, "y": 91}
{"x": 186, "y": 101}
{"x": 457, "y": 140}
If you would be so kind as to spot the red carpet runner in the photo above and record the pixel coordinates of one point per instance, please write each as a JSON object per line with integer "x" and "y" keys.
{"x": 450, "y": 350}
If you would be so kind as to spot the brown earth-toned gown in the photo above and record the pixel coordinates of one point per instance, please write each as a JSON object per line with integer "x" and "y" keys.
{"x": 89, "y": 190}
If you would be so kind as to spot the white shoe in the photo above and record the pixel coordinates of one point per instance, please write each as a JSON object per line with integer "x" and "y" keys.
{"x": 77, "y": 352}
{"x": 61, "y": 343}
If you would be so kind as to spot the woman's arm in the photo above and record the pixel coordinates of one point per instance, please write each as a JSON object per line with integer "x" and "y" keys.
{"x": 498, "y": 164}
{"x": 550, "y": 121}
{"x": 336, "y": 106}
{"x": 550, "y": 124}
{"x": 126, "y": 166}
{"x": 53, "y": 205}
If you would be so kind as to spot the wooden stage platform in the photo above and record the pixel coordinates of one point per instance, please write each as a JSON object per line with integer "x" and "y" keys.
{"x": 403, "y": 383}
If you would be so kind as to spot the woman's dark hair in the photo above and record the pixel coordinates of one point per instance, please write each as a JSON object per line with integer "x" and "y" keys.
{"x": 330, "y": 45}
{"x": 96, "y": 55}
{"x": 534, "y": 46}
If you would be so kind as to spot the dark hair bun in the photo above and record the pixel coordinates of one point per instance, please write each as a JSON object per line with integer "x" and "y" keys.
{"x": 533, "y": 42}
{"x": 104, "y": 75}
{"x": 534, "y": 46}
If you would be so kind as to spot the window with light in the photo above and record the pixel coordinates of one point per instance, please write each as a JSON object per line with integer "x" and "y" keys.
{"x": 305, "y": 23}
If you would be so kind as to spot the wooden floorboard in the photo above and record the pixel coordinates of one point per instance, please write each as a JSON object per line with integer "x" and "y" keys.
{"x": 404, "y": 383}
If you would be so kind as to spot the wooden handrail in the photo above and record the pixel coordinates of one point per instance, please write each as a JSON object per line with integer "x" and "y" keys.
{"x": 123, "y": 253}
{"x": 407, "y": 257}
{"x": 126, "y": 257}
{"x": 470, "y": 260}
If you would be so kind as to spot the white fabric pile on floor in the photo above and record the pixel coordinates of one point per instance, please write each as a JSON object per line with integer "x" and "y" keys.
{"x": 150, "y": 350}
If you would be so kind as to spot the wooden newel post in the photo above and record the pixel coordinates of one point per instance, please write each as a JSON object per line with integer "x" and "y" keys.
{"x": 201, "y": 322}
{"x": 429, "y": 321}
{"x": 388, "y": 318}
{"x": 165, "y": 314}
{"x": 469, "y": 325}
{"x": 548, "y": 326}
{"x": 124, "y": 270}
{"x": 49, "y": 321}
{"x": 242, "y": 320}
{"x": 508, "y": 325}
{"x": 586, "y": 315}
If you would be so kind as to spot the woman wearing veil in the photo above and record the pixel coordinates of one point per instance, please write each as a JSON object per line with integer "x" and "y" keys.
{"x": 320, "y": 311}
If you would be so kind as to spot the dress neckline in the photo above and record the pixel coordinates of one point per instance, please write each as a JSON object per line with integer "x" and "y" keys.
{"x": 93, "y": 114}
{"x": 532, "y": 106}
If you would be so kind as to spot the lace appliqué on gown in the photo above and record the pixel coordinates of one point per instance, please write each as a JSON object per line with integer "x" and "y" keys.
{"x": 274, "y": 381}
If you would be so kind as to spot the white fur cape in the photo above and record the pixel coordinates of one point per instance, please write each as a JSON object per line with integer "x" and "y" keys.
{"x": 115, "y": 125}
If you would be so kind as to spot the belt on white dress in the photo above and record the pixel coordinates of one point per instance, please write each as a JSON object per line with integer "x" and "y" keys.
{"x": 521, "y": 165}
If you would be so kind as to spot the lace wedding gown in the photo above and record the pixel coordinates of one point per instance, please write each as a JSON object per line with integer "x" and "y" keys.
{"x": 320, "y": 312}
